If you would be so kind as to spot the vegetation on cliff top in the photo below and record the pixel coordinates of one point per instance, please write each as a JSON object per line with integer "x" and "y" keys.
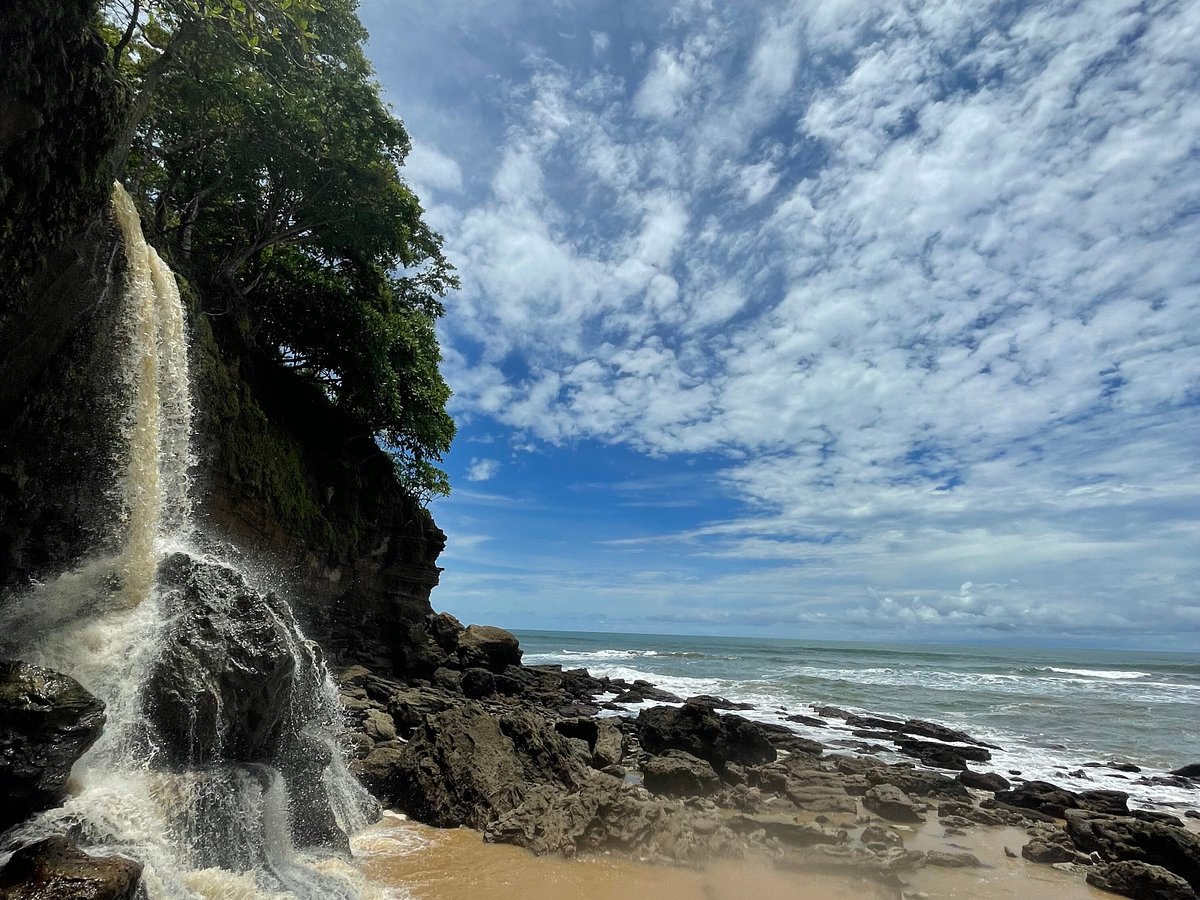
{"x": 269, "y": 167}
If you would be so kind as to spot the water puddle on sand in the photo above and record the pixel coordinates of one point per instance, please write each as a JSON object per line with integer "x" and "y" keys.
{"x": 408, "y": 861}
{"x": 403, "y": 860}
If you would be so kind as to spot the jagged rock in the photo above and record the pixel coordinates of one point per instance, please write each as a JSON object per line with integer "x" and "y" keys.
{"x": 942, "y": 756}
{"x": 488, "y": 647}
{"x": 915, "y": 783}
{"x": 1118, "y": 838}
{"x": 313, "y": 823}
{"x": 379, "y": 726}
{"x": 477, "y": 683}
{"x": 1140, "y": 880}
{"x": 606, "y": 815}
{"x": 609, "y": 747}
{"x": 223, "y": 684}
{"x": 679, "y": 774}
{"x": 713, "y": 702}
{"x": 55, "y": 869}
{"x": 1052, "y": 800}
{"x": 792, "y": 833}
{"x": 801, "y": 719}
{"x": 970, "y": 812}
{"x": 448, "y": 679}
{"x": 445, "y": 631}
{"x": 891, "y": 803}
{"x": 47, "y": 721}
{"x": 642, "y": 691}
{"x": 468, "y": 766}
{"x": 983, "y": 781}
{"x": 704, "y": 734}
{"x": 1043, "y": 850}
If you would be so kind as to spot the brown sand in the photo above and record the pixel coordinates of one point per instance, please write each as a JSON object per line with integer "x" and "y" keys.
{"x": 455, "y": 864}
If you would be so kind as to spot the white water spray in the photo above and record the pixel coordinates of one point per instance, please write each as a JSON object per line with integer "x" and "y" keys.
{"x": 218, "y": 828}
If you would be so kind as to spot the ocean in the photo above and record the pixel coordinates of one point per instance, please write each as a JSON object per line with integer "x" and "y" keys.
{"x": 1053, "y": 711}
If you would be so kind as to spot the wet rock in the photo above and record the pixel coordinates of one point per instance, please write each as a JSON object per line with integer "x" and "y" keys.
{"x": 915, "y": 783}
{"x": 1191, "y": 770}
{"x": 679, "y": 774}
{"x": 379, "y": 726}
{"x": 983, "y": 781}
{"x": 878, "y": 837}
{"x": 704, "y": 734}
{"x": 47, "y": 721}
{"x": 1140, "y": 880}
{"x": 1117, "y": 838}
{"x": 55, "y": 869}
{"x": 644, "y": 691}
{"x": 488, "y": 647}
{"x": 1043, "y": 850}
{"x": 925, "y": 750}
{"x": 807, "y": 720}
{"x": 1052, "y": 800}
{"x": 222, "y": 686}
{"x": 713, "y": 702}
{"x": 604, "y": 815}
{"x": 952, "y": 859}
{"x": 970, "y": 812}
{"x": 891, "y": 803}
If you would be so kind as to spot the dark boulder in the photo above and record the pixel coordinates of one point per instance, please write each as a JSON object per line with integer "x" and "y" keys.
{"x": 222, "y": 687}
{"x": 713, "y": 702}
{"x": 1139, "y": 880}
{"x": 477, "y": 683}
{"x": 1051, "y": 800}
{"x": 679, "y": 774}
{"x": 488, "y": 647}
{"x": 1191, "y": 770}
{"x": 983, "y": 781}
{"x": 55, "y": 869}
{"x": 47, "y": 721}
{"x": 921, "y": 749}
{"x": 468, "y": 766}
{"x": 1118, "y": 838}
{"x": 699, "y": 731}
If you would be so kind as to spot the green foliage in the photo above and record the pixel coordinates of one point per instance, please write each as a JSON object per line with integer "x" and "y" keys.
{"x": 271, "y": 168}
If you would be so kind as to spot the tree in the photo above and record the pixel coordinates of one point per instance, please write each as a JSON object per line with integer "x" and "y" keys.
{"x": 271, "y": 167}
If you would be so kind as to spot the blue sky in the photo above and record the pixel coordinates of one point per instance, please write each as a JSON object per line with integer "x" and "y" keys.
{"x": 832, "y": 320}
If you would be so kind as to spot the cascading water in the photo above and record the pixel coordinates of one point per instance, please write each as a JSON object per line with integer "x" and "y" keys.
{"x": 218, "y": 767}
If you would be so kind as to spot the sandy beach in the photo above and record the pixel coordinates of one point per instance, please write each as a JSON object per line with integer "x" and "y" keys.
{"x": 404, "y": 859}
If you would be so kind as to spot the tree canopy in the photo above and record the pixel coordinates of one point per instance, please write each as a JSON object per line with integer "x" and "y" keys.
{"x": 271, "y": 166}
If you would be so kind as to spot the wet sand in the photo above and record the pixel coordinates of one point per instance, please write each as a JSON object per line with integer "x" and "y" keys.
{"x": 406, "y": 860}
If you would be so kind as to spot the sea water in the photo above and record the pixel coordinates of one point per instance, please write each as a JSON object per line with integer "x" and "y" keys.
{"x": 1053, "y": 711}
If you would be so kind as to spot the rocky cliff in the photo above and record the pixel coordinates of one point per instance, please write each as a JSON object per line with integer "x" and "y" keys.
{"x": 280, "y": 473}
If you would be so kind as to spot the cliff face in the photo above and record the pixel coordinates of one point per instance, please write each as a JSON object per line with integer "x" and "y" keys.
{"x": 281, "y": 474}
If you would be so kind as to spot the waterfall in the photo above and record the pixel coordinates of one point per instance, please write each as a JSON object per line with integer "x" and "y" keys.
{"x": 158, "y": 433}
{"x": 218, "y": 768}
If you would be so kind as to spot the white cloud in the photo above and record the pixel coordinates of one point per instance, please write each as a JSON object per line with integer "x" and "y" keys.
{"x": 924, "y": 279}
{"x": 482, "y": 469}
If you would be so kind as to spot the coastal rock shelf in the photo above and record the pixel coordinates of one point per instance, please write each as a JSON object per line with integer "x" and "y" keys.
{"x": 554, "y": 761}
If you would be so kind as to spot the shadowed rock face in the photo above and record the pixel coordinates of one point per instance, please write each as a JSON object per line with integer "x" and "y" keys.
{"x": 223, "y": 685}
{"x": 47, "y": 721}
{"x": 55, "y": 869}
{"x": 698, "y": 730}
